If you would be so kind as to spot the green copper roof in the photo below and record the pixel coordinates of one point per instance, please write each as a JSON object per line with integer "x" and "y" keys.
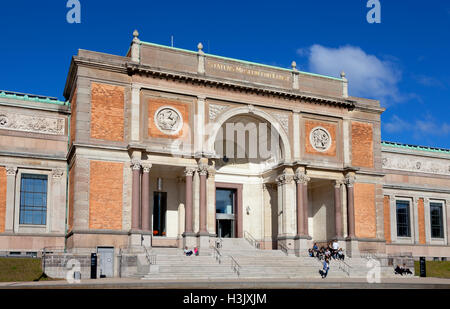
{"x": 415, "y": 147}
{"x": 31, "y": 98}
{"x": 241, "y": 61}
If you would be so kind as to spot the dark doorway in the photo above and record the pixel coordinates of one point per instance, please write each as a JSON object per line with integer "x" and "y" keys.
{"x": 159, "y": 213}
{"x": 225, "y": 213}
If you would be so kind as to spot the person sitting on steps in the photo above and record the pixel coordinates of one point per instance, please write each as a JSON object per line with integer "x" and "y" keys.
{"x": 406, "y": 270}
{"x": 187, "y": 252}
{"x": 340, "y": 254}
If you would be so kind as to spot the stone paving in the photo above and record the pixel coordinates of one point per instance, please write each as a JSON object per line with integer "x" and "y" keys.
{"x": 329, "y": 283}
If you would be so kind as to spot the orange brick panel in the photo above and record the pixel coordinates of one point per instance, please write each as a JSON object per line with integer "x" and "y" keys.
{"x": 362, "y": 144}
{"x": 331, "y": 128}
{"x": 105, "y": 195}
{"x": 365, "y": 216}
{"x": 387, "y": 218}
{"x": 107, "y": 112}
{"x": 421, "y": 218}
{"x": 183, "y": 108}
{"x": 2, "y": 199}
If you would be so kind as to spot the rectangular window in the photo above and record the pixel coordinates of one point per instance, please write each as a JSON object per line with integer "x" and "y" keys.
{"x": 33, "y": 199}
{"x": 436, "y": 216}
{"x": 403, "y": 222}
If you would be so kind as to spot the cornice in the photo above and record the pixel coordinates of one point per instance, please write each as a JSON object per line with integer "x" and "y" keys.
{"x": 135, "y": 68}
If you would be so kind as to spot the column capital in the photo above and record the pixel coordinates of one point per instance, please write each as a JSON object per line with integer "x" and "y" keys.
{"x": 189, "y": 171}
{"x": 146, "y": 166}
{"x": 136, "y": 164}
{"x": 203, "y": 169}
{"x": 11, "y": 170}
{"x": 338, "y": 183}
{"x": 301, "y": 177}
{"x": 350, "y": 180}
{"x": 57, "y": 173}
{"x": 284, "y": 179}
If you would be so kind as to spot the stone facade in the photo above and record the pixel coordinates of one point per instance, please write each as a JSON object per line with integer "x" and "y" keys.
{"x": 145, "y": 160}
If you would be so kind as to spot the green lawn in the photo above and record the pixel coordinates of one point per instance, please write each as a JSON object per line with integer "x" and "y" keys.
{"x": 21, "y": 269}
{"x": 437, "y": 269}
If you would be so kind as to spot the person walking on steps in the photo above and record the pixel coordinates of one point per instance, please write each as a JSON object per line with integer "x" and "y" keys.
{"x": 326, "y": 267}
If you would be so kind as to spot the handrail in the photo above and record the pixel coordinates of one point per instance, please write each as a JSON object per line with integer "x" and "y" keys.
{"x": 235, "y": 266}
{"x": 151, "y": 259}
{"x": 219, "y": 242}
{"x": 283, "y": 248}
{"x": 217, "y": 255}
{"x": 344, "y": 267}
{"x": 251, "y": 240}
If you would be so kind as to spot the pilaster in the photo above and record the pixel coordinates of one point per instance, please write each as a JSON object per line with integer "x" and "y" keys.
{"x": 11, "y": 172}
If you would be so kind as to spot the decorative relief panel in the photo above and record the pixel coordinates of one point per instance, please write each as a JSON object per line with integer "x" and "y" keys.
{"x": 34, "y": 124}
{"x": 215, "y": 110}
{"x": 320, "y": 139}
{"x": 417, "y": 164}
{"x": 168, "y": 120}
{"x": 284, "y": 120}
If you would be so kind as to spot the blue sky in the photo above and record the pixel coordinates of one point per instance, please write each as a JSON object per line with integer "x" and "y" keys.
{"x": 403, "y": 61}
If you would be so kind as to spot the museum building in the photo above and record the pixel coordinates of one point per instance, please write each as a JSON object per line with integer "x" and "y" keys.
{"x": 141, "y": 154}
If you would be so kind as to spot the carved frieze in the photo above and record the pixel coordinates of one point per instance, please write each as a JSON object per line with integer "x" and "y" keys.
{"x": 34, "y": 124}
{"x": 394, "y": 161}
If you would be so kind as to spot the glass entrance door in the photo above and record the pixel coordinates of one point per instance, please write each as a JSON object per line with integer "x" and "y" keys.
{"x": 225, "y": 213}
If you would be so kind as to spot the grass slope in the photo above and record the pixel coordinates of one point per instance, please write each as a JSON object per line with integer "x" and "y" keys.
{"x": 21, "y": 269}
{"x": 437, "y": 269}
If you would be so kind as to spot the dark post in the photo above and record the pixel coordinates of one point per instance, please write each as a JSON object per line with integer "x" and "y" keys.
{"x": 93, "y": 265}
{"x": 423, "y": 268}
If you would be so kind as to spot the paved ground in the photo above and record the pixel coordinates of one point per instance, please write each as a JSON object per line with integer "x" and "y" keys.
{"x": 329, "y": 283}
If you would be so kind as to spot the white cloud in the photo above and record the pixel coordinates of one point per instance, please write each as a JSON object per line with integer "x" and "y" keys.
{"x": 368, "y": 75}
{"x": 429, "y": 81}
{"x": 428, "y": 126}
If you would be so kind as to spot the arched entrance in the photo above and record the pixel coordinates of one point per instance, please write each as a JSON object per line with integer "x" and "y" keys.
{"x": 248, "y": 144}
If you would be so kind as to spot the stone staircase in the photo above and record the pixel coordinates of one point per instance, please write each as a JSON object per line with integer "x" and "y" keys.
{"x": 252, "y": 264}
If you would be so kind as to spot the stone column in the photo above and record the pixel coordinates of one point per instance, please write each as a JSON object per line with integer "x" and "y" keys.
{"x": 352, "y": 247}
{"x": 135, "y": 195}
{"x": 338, "y": 208}
{"x": 302, "y": 202}
{"x": 203, "y": 172}
{"x": 11, "y": 172}
{"x": 287, "y": 198}
{"x": 302, "y": 239}
{"x": 145, "y": 219}
{"x": 350, "y": 181}
{"x": 189, "y": 173}
{"x": 305, "y": 206}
